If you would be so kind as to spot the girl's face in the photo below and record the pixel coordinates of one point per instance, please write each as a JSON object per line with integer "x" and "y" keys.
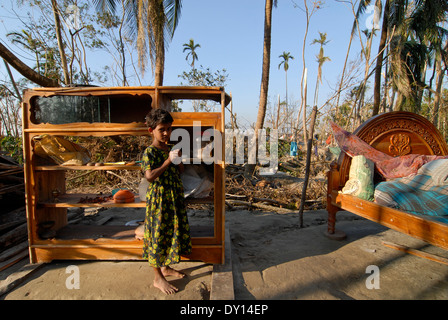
{"x": 162, "y": 132}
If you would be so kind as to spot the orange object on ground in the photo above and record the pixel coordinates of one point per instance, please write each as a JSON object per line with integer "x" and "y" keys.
{"x": 124, "y": 196}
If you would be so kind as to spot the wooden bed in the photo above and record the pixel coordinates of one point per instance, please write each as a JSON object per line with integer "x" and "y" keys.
{"x": 395, "y": 133}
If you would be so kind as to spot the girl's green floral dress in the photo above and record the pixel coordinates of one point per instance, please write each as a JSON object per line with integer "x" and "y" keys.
{"x": 167, "y": 232}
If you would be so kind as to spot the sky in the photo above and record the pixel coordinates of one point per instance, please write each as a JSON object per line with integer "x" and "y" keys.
{"x": 230, "y": 34}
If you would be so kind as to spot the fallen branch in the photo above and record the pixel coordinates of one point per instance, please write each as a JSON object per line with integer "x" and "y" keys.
{"x": 270, "y": 200}
{"x": 235, "y": 196}
{"x": 125, "y": 181}
{"x": 260, "y": 206}
{"x": 289, "y": 168}
{"x": 79, "y": 176}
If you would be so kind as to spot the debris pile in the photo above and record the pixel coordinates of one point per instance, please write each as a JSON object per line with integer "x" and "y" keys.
{"x": 12, "y": 186}
{"x": 279, "y": 192}
{"x": 13, "y": 230}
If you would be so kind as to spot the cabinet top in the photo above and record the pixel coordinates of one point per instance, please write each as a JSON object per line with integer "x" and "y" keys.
{"x": 64, "y": 105}
{"x": 170, "y": 92}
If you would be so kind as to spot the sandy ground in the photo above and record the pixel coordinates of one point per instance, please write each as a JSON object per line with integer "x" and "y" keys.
{"x": 272, "y": 258}
{"x": 279, "y": 261}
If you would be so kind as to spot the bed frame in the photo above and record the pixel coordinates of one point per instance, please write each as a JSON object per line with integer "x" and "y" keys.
{"x": 395, "y": 133}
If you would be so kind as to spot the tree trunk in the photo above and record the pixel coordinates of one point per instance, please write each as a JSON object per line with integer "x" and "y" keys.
{"x": 158, "y": 24}
{"x": 439, "y": 82}
{"x": 379, "y": 61}
{"x": 309, "y": 147}
{"x": 160, "y": 65}
{"x": 266, "y": 65}
{"x": 57, "y": 23}
{"x": 24, "y": 70}
{"x": 13, "y": 82}
{"x": 278, "y": 113}
{"x": 250, "y": 168}
{"x": 440, "y": 75}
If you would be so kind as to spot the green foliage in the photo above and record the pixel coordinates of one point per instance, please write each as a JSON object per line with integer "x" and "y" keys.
{"x": 204, "y": 77}
{"x": 13, "y": 146}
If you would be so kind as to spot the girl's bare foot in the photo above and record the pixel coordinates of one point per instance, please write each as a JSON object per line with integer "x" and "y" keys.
{"x": 168, "y": 271}
{"x": 164, "y": 286}
{"x": 140, "y": 232}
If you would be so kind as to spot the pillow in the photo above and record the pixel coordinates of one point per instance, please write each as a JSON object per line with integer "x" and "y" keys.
{"x": 360, "y": 182}
{"x": 437, "y": 170}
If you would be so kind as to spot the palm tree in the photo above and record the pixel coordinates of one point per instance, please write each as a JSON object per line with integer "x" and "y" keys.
{"x": 152, "y": 23}
{"x": 26, "y": 40}
{"x": 419, "y": 36}
{"x": 321, "y": 59}
{"x": 285, "y": 62}
{"x": 249, "y": 169}
{"x": 426, "y": 23}
{"x": 266, "y": 64}
{"x": 379, "y": 61}
{"x": 191, "y": 47}
{"x": 361, "y": 8}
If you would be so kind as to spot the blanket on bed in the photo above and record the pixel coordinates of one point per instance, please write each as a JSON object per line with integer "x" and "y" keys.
{"x": 389, "y": 167}
{"x": 424, "y": 193}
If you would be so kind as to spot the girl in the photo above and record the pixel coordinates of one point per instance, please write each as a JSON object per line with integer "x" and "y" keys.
{"x": 166, "y": 231}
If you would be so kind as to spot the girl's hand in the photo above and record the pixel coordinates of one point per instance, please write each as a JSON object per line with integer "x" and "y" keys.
{"x": 175, "y": 156}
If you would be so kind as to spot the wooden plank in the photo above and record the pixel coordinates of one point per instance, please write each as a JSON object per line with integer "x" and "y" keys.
{"x": 418, "y": 227}
{"x": 11, "y": 225}
{"x": 14, "y": 235}
{"x": 15, "y": 279}
{"x": 13, "y": 259}
{"x": 416, "y": 252}
{"x": 5, "y": 255}
{"x": 222, "y": 277}
{"x": 206, "y": 253}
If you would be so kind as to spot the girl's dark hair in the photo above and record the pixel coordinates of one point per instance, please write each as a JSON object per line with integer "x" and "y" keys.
{"x": 158, "y": 116}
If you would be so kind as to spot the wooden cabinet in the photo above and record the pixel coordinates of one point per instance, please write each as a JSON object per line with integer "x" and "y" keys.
{"x": 98, "y": 112}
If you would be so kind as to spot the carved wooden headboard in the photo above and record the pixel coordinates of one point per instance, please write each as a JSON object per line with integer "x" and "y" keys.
{"x": 397, "y": 133}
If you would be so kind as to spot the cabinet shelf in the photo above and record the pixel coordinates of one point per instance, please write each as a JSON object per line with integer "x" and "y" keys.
{"x": 71, "y": 200}
{"x": 91, "y": 234}
{"x": 108, "y": 167}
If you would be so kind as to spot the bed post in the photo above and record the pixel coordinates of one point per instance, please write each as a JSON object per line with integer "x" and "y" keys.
{"x": 333, "y": 184}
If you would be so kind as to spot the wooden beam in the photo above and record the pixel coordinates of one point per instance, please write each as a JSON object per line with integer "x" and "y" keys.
{"x": 416, "y": 252}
